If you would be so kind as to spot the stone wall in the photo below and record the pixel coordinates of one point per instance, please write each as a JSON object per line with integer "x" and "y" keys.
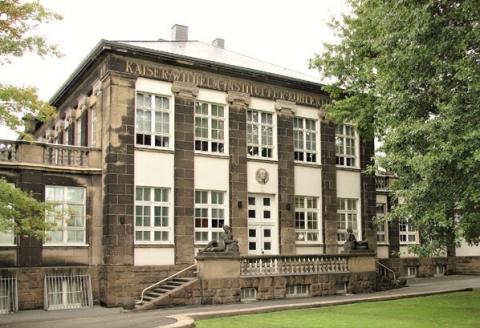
{"x": 425, "y": 265}
{"x": 467, "y": 264}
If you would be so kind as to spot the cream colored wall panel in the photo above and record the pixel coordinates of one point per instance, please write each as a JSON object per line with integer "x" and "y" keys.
{"x": 466, "y": 250}
{"x": 211, "y": 173}
{"x": 348, "y": 184}
{"x": 271, "y": 187}
{"x": 404, "y": 252}
{"x": 382, "y": 251}
{"x": 154, "y": 86}
{"x": 262, "y": 104}
{"x": 307, "y": 112}
{"x": 154, "y": 256}
{"x": 154, "y": 169}
{"x": 382, "y": 199}
{"x": 308, "y": 250}
{"x": 308, "y": 181}
{"x": 212, "y": 96}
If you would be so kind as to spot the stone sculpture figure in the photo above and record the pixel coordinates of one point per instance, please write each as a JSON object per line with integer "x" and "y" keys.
{"x": 226, "y": 244}
{"x": 352, "y": 245}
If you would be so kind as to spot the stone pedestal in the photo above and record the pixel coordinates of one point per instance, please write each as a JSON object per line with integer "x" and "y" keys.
{"x": 362, "y": 262}
{"x": 218, "y": 266}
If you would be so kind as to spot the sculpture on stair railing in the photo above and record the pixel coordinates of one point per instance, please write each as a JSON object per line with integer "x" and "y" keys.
{"x": 225, "y": 246}
{"x": 351, "y": 244}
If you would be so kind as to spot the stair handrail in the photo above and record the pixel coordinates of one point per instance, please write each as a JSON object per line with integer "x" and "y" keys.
{"x": 388, "y": 269}
{"x": 162, "y": 281}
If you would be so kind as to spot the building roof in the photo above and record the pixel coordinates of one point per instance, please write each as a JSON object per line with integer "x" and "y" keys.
{"x": 207, "y": 52}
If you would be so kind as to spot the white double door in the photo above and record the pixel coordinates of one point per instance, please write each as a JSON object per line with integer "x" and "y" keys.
{"x": 262, "y": 225}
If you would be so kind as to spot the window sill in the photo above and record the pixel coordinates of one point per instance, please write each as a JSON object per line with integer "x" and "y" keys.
{"x": 347, "y": 168}
{"x": 308, "y": 164}
{"x": 8, "y": 245}
{"x": 383, "y": 243}
{"x": 66, "y": 245}
{"x": 152, "y": 245}
{"x": 308, "y": 244}
{"x": 261, "y": 159}
{"x": 211, "y": 155}
{"x": 154, "y": 149}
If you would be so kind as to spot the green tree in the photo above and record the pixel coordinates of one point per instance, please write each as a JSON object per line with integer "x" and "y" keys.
{"x": 408, "y": 72}
{"x": 20, "y": 105}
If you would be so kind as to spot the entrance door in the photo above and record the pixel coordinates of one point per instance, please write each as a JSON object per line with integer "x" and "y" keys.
{"x": 261, "y": 225}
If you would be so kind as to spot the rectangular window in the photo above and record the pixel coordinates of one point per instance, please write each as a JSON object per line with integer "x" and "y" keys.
{"x": 209, "y": 127}
{"x": 68, "y": 290}
{"x": 305, "y": 140}
{"x": 408, "y": 235}
{"x": 209, "y": 215}
{"x": 248, "y": 294}
{"x": 68, "y": 214}
{"x": 7, "y": 237}
{"x": 307, "y": 225}
{"x": 298, "y": 290}
{"x": 345, "y": 145}
{"x": 8, "y": 293}
{"x": 152, "y": 118}
{"x": 412, "y": 271}
{"x": 440, "y": 269}
{"x": 259, "y": 134}
{"x": 93, "y": 132}
{"x": 78, "y": 132}
{"x": 347, "y": 217}
{"x": 382, "y": 227}
{"x": 152, "y": 215}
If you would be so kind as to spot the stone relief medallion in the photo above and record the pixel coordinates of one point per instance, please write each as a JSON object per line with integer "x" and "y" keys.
{"x": 262, "y": 176}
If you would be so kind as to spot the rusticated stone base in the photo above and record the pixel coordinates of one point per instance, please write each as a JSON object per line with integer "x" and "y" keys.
{"x": 118, "y": 282}
{"x": 425, "y": 266}
{"x": 467, "y": 264}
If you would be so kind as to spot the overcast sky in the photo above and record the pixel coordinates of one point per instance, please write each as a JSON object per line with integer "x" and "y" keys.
{"x": 280, "y": 32}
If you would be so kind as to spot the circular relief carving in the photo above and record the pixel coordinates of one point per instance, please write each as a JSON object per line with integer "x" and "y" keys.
{"x": 262, "y": 176}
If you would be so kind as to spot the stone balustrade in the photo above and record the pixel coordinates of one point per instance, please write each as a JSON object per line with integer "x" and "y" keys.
{"x": 7, "y": 150}
{"x": 24, "y": 152}
{"x": 293, "y": 265}
{"x": 382, "y": 182}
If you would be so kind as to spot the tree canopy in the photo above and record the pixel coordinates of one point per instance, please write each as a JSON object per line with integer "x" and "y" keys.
{"x": 408, "y": 72}
{"x": 19, "y": 211}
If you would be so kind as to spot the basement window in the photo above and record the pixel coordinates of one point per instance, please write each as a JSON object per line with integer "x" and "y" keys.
{"x": 298, "y": 290}
{"x": 341, "y": 288}
{"x": 411, "y": 271}
{"x": 440, "y": 269}
{"x": 68, "y": 290}
{"x": 8, "y": 294}
{"x": 248, "y": 294}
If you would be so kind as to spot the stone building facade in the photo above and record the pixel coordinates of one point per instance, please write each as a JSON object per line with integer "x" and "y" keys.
{"x": 157, "y": 145}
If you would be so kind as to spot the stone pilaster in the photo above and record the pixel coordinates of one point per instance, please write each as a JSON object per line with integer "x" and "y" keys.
{"x": 393, "y": 233}
{"x": 118, "y": 141}
{"x": 286, "y": 175}
{"x": 368, "y": 193}
{"x": 238, "y": 103}
{"x": 184, "y": 194}
{"x": 329, "y": 185}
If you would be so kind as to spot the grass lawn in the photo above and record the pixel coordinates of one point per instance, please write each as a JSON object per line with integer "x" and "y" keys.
{"x": 447, "y": 310}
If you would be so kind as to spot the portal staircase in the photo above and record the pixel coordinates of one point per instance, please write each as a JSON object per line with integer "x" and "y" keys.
{"x": 386, "y": 277}
{"x": 156, "y": 294}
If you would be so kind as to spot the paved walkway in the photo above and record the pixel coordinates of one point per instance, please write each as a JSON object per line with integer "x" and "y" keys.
{"x": 110, "y": 318}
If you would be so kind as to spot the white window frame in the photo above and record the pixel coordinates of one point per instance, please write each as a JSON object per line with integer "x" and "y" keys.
{"x": 152, "y": 204}
{"x": 78, "y": 131}
{"x": 341, "y": 141}
{"x": 93, "y": 126}
{"x": 354, "y": 223}
{"x": 412, "y": 271}
{"x": 383, "y": 233}
{"x": 303, "y": 151}
{"x": 407, "y": 233}
{"x": 70, "y": 290}
{"x": 259, "y": 125}
{"x": 12, "y": 238}
{"x": 209, "y": 140}
{"x": 153, "y": 110}
{"x": 65, "y": 216}
{"x": 302, "y": 205}
{"x": 300, "y": 290}
{"x": 202, "y": 204}
{"x": 248, "y": 294}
